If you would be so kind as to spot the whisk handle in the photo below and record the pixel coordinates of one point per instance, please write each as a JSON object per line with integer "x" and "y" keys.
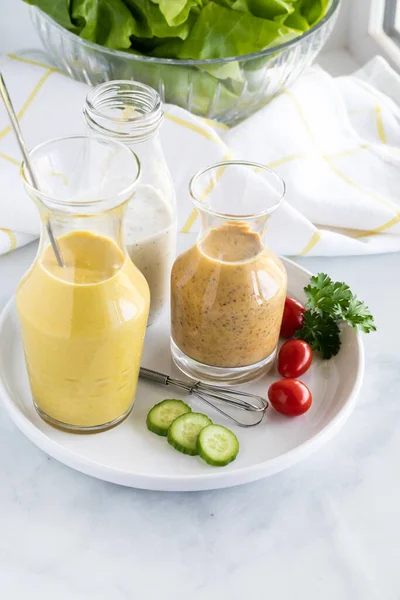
{"x": 154, "y": 376}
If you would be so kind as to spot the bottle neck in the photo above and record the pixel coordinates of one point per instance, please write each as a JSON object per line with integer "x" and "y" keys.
{"x": 125, "y": 110}
{"x": 231, "y": 240}
{"x": 103, "y": 224}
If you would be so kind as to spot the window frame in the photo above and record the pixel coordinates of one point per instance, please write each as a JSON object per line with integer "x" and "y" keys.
{"x": 371, "y": 32}
{"x": 391, "y": 20}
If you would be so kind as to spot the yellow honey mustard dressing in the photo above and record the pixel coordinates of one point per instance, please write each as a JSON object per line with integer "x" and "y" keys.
{"x": 83, "y": 329}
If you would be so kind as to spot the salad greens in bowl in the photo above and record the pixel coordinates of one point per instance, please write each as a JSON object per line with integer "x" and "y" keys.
{"x": 221, "y": 59}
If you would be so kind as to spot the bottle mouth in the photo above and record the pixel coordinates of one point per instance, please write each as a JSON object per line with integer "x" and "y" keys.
{"x": 82, "y": 175}
{"x": 125, "y": 110}
{"x": 237, "y": 190}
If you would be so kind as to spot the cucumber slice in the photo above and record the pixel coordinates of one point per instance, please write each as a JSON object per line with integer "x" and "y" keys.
{"x": 162, "y": 414}
{"x": 184, "y": 431}
{"x": 217, "y": 445}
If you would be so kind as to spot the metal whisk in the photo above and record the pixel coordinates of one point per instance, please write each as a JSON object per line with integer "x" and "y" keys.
{"x": 206, "y": 393}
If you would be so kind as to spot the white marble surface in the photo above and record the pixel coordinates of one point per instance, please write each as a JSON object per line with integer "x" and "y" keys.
{"x": 329, "y": 528}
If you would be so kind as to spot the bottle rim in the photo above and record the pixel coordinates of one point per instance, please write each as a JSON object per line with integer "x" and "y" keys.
{"x": 99, "y": 204}
{"x": 137, "y": 124}
{"x": 219, "y": 167}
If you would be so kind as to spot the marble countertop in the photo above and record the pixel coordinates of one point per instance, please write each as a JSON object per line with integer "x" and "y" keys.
{"x": 327, "y": 528}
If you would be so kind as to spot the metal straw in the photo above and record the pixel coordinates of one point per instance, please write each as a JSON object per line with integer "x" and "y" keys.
{"x": 18, "y": 134}
{"x": 206, "y": 393}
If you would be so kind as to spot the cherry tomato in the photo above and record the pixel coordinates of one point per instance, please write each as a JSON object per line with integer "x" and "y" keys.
{"x": 294, "y": 358}
{"x": 292, "y": 319}
{"x": 290, "y": 397}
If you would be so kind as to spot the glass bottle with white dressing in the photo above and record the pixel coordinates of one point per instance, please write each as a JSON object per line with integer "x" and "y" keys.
{"x": 131, "y": 112}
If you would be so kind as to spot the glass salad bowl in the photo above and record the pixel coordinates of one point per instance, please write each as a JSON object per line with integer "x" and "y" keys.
{"x": 224, "y": 89}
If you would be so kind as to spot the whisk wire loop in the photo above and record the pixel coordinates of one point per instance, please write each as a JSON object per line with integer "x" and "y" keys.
{"x": 207, "y": 393}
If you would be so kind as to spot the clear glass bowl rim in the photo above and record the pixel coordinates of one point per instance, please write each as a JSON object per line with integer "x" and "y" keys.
{"x": 128, "y": 190}
{"x": 201, "y": 206}
{"x": 192, "y": 62}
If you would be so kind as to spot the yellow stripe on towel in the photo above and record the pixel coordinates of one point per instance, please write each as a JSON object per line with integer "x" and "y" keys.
{"x": 379, "y": 124}
{"x": 11, "y": 237}
{"x": 209, "y": 135}
{"x": 193, "y": 215}
{"x": 28, "y": 101}
{"x": 332, "y": 165}
{"x": 313, "y": 241}
{"x": 215, "y": 124}
{"x": 347, "y": 152}
{"x": 381, "y": 228}
{"x": 378, "y": 111}
{"x": 292, "y": 157}
{"x": 29, "y": 61}
{"x": 61, "y": 176}
{"x": 10, "y": 159}
{"x": 286, "y": 159}
{"x": 358, "y": 187}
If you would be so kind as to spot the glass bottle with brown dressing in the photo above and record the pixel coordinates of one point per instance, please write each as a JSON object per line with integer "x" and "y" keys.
{"x": 228, "y": 290}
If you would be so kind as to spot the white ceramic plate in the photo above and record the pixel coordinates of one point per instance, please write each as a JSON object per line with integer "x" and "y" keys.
{"x": 131, "y": 455}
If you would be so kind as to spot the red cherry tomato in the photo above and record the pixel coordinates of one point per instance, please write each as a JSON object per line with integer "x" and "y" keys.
{"x": 292, "y": 319}
{"x": 290, "y": 397}
{"x": 294, "y": 358}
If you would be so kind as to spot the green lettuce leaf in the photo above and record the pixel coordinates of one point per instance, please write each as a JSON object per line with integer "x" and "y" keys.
{"x": 85, "y": 14}
{"x": 265, "y": 9}
{"x": 106, "y": 22}
{"x": 220, "y": 32}
{"x": 116, "y": 25}
{"x": 230, "y": 70}
{"x": 178, "y": 81}
{"x": 211, "y": 28}
{"x": 297, "y": 21}
{"x": 171, "y": 49}
{"x": 150, "y": 16}
{"x": 57, "y": 10}
{"x": 175, "y": 12}
{"x": 313, "y": 10}
{"x": 168, "y": 49}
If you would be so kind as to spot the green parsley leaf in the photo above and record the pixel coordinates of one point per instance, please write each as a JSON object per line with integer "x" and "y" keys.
{"x": 326, "y": 296}
{"x": 321, "y": 332}
{"x": 359, "y": 316}
{"x": 329, "y": 303}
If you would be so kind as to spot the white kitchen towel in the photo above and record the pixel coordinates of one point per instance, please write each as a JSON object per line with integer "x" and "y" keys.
{"x": 335, "y": 142}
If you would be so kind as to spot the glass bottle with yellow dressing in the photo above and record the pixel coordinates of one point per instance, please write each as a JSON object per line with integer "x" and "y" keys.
{"x": 83, "y": 324}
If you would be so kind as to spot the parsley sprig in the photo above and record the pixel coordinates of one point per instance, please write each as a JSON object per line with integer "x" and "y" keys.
{"x": 329, "y": 303}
